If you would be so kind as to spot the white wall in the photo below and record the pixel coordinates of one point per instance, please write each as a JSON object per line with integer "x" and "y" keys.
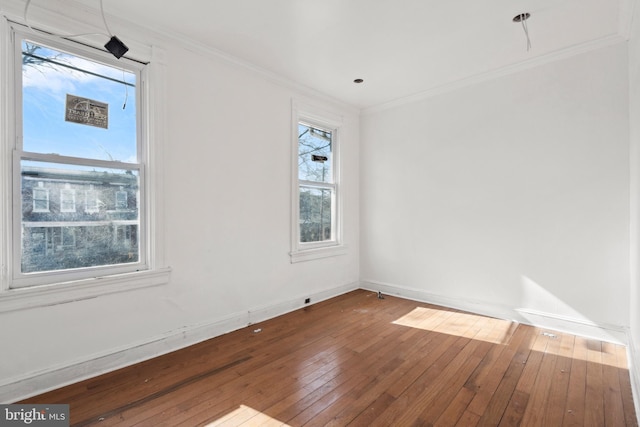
{"x": 227, "y": 192}
{"x": 634, "y": 121}
{"x": 512, "y": 194}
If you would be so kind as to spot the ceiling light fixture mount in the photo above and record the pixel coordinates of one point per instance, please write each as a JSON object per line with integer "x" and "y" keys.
{"x": 522, "y": 19}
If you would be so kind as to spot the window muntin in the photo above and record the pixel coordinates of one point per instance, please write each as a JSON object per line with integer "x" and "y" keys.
{"x": 51, "y": 151}
{"x": 316, "y": 186}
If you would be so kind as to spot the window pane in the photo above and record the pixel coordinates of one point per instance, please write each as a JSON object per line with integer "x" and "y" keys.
{"x": 58, "y": 87}
{"x": 314, "y": 154}
{"x": 104, "y": 233}
{"x": 121, "y": 200}
{"x": 91, "y": 200}
{"x": 315, "y": 214}
{"x": 40, "y": 199}
{"x": 67, "y": 200}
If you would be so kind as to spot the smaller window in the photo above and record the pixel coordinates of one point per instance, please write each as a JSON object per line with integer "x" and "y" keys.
{"x": 121, "y": 200}
{"x": 316, "y": 184}
{"x": 38, "y": 242}
{"x": 40, "y": 198}
{"x": 67, "y": 199}
{"x": 316, "y": 213}
{"x": 91, "y": 200}
{"x": 125, "y": 235}
{"x": 67, "y": 237}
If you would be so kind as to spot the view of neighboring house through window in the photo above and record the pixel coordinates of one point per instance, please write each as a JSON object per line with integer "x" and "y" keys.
{"x": 79, "y": 160}
{"x": 316, "y": 184}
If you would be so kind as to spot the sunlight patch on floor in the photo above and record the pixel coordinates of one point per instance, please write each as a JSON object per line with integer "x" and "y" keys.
{"x": 246, "y": 416}
{"x": 466, "y": 325}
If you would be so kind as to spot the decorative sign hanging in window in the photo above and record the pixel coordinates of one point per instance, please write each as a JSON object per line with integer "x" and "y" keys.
{"x": 87, "y": 112}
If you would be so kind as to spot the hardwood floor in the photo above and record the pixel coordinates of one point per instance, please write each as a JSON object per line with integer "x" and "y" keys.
{"x": 363, "y": 361}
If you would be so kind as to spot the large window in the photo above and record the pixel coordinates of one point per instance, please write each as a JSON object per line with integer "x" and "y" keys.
{"x": 316, "y": 215}
{"x": 78, "y": 133}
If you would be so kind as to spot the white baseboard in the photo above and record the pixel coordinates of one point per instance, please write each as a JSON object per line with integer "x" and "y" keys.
{"x": 603, "y": 332}
{"x": 34, "y": 383}
{"x": 634, "y": 370}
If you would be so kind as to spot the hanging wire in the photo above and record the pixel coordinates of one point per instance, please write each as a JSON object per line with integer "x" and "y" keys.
{"x": 526, "y": 32}
{"x": 26, "y": 22}
{"x": 106, "y": 26}
{"x": 71, "y": 67}
{"x": 522, "y": 19}
{"x": 126, "y": 90}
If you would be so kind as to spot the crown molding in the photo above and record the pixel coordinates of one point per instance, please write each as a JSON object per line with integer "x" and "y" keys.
{"x": 79, "y": 13}
{"x": 216, "y": 54}
{"x": 85, "y": 18}
{"x": 578, "y": 49}
{"x": 73, "y": 20}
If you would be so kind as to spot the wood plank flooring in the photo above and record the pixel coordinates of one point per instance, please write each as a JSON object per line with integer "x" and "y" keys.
{"x": 362, "y": 361}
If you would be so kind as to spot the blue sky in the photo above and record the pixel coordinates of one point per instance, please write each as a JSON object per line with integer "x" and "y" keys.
{"x": 45, "y": 87}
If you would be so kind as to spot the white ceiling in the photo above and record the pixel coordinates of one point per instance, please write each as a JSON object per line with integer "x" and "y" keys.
{"x": 399, "y": 47}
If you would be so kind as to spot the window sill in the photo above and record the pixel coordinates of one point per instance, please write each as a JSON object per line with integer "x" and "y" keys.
{"x": 60, "y": 293}
{"x": 317, "y": 253}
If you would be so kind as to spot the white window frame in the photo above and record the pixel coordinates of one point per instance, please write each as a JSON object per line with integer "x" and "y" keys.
{"x": 67, "y": 232}
{"x": 18, "y": 292}
{"x": 19, "y": 279}
{"x": 126, "y": 234}
{"x": 321, "y": 119}
{"x": 45, "y": 191}
{"x": 64, "y": 197}
{"x": 120, "y": 206}
{"x": 94, "y": 196}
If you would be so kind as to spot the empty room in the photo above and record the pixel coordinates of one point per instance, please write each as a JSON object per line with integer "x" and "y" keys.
{"x": 297, "y": 212}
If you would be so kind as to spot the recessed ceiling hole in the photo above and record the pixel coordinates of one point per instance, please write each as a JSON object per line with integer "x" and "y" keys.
{"x": 521, "y": 17}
